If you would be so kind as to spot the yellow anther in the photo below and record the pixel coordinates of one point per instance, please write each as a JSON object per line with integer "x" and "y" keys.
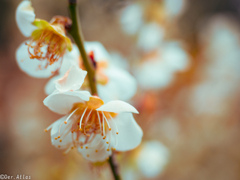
{"x": 116, "y": 132}
{"x": 110, "y": 129}
{"x": 72, "y": 147}
{"x": 55, "y": 138}
{"x": 45, "y": 130}
{"x": 86, "y": 147}
{"x": 65, "y": 122}
{"x": 87, "y": 155}
{"x": 58, "y": 136}
{"x": 107, "y": 142}
{"x": 96, "y": 151}
{"x": 59, "y": 146}
{"x": 81, "y": 147}
{"x": 60, "y": 140}
{"x": 108, "y": 149}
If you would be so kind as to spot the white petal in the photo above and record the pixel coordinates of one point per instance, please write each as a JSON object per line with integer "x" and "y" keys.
{"x": 66, "y": 141}
{"x": 24, "y": 17}
{"x": 70, "y": 58}
{"x": 62, "y": 103}
{"x": 100, "y": 53}
{"x": 91, "y": 154}
{"x": 121, "y": 85}
{"x": 31, "y": 66}
{"x": 117, "y": 107}
{"x": 129, "y": 132}
{"x": 50, "y": 87}
{"x": 72, "y": 80}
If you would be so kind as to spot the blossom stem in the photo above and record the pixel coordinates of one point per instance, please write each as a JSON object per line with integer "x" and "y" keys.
{"x": 114, "y": 167}
{"x": 76, "y": 32}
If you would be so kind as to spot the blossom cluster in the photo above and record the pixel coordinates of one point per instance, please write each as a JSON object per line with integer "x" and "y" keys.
{"x": 94, "y": 125}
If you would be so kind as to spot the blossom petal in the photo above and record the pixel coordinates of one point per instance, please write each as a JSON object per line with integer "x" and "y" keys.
{"x": 31, "y": 66}
{"x": 62, "y": 103}
{"x": 72, "y": 80}
{"x": 117, "y": 107}
{"x": 50, "y": 87}
{"x": 25, "y": 16}
{"x": 121, "y": 84}
{"x": 70, "y": 58}
{"x": 90, "y": 154}
{"x": 100, "y": 53}
{"x": 66, "y": 141}
{"x": 129, "y": 132}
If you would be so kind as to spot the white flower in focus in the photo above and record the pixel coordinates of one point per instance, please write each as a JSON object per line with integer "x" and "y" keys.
{"x": 112, "y": 82}
{"x": 152, "y": 158}
{"x": 47, "y": 45}
{"x": 157, "y": 70}
{"x": 89, "y": 125}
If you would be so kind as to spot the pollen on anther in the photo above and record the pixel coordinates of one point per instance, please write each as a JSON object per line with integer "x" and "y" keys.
{"x": 45, "y": 130}
{"x": 55, "y": 138}
{"x": 107, "y": 142}
{"x": 72, "y": 147}
{"x": 86, "y": 147}
{"x": 60, "y": 140}
{"x": 87, "y": 155}
{"x": 59, "y": 146}
{"x": 81, "y": 147}
{"x": 58, "y": 136}
{"x": 110, "y": 129}
{"x": 96, "y": 151}
{"x": 108, "y": 149}
{"x": 65, "y": 122}
{"x": 116, "y": 132}
{"x": 80, "y": 129}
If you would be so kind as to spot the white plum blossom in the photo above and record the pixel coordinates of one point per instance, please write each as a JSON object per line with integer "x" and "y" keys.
{"x": 113, "y": 82}
{"x": 152, "y": 158}
{"x": 42, "y": 54}
{"x": 157, "y": 69}
{"x": 89, "y": 125}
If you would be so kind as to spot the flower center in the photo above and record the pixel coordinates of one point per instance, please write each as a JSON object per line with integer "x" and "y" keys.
{"x": 85, "y": 122}
{"x": 48, "y": 42}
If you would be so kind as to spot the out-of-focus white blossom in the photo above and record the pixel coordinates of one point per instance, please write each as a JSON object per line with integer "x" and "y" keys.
{"x": 132, "y": 19}
{"x": 152, "y": 158}
{"x": 150, "y": 37}
{"x": 221, "y": 42}
{"x": 157, "y": 70}
{"x": 173, "y": 7}
{"x": 89, "y": 125}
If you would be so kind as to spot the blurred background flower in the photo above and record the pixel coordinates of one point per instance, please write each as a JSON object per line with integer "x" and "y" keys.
{"x": 185, "y": 56}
